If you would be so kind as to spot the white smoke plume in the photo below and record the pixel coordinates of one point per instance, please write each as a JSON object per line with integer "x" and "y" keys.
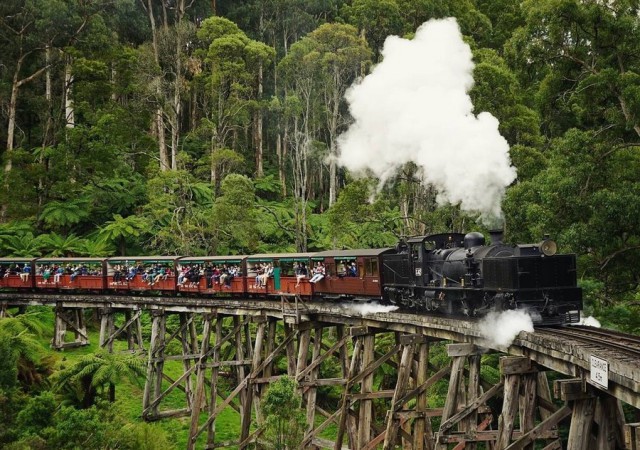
{"x": 364, "y": 309}
{"x": 415, "y": 106}
{"x": 500, "y": 329}
{"x": 590, "y": 322}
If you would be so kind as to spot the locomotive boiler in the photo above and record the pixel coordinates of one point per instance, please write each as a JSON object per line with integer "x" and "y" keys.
{"x": 459, "y": 274}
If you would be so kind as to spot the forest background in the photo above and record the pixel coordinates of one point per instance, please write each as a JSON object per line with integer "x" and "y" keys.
{"x": 201, "y": 127}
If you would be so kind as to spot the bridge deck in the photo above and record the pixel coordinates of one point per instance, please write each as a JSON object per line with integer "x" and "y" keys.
{"x": 557, "y": 353}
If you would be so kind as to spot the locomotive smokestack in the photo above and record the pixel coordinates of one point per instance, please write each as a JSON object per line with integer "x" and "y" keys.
{"x": 496, "y": 236}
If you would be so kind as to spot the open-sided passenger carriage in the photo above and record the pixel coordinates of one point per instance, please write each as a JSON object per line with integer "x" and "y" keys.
{"x": 210, "y": 275}
{"x": 340, "y": 281}
{"x": 76, "y": 273}
{"x": 283, "y": 278}
{"x": 142, "y": 273}
{"x": 12, "y": 268}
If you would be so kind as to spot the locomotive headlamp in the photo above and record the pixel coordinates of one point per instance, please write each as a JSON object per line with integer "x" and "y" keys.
{"x": 548, "y": 247}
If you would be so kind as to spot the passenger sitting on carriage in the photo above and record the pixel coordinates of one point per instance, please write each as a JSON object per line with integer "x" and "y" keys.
{"x": 117, "y": 273}
{"x": 161, "y": 274}
{"x": 268, "y": 271}
{"x": 194, "y": 275}
{"x": 259, "y": 273}
{"x": 233, "y": 272}
{"x": 24, "y": 274}
{"x": 224, "y": 274}
{"x": 318, "y": 273}
{"x": 182, "y": 274}
{"x": 215, "y": 275}
{"x": 3, "y": 271}
{"x": 77, "y": 271}
{"x": 301, "y": 273}
{"x": 58, "y": 274}
{"x": 132, "y": 273}
{"x": 208, "y": 273}
{"x": 46, "y": 274}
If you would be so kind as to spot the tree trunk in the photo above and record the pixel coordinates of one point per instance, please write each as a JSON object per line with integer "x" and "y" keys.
{"x": 48, "y": 130}
{"x": 159, "y": 119}
{"x": 69, "y": 111}
{"x": 11, "y": 127}
{"x": 177, "y": 107}
{"x": 281, "y": 175}
{"x": 333, "y": 177}
{"x": 16, "y": 83}
{"x": 258, "y": 128}
{"x": 114, "y": 74}
{"x": 89, "y": 392}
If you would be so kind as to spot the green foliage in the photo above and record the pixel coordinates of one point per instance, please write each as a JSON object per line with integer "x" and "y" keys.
{"x": 62, "y": 214}
{"x": 94, "y": 248}
{"x": 178, "y": 214}
{"x": 81, "y": 381}
{"x": 234, "y": 216}
{"x": 284, "y": 417}
{"x": 54, "y": 244}
{"x": 38, "y": 414}
{"x": 118, "y": 232}
{"x": 89, "y": 426}
{"x": 378, "y": 19}
{"x": 356, "y": 222}
{"x": 143, "y": 436}
{"x": 22, "y": 245}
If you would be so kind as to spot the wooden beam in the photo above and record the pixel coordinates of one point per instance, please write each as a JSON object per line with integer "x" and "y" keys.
{"x": 473, "y": 392}
{"x": 506, "y": 420}
{"x": 199, "y": 397}
{"x": 512, "y": 365}
{"x": 572, "y": 389}
{"x": 371, "y": 395}
{"x": 127, "y": 324}
{"x": 539, "y": 431}
{"x": 632, "y": 436}
{"x": 462, "y": 349}
{"x": 581, "y": 422}
{"x": 528, "y": 404}
{"x": 449, "y": 423}
{"x": 487, "y": 436}
{"x": 374, "y": 365}
{"x": 451, "y": 403}
{"x": 321, "y": 358}
{"x": 401, "y": 385}
{"x": 426, "y": 385}
{"x": 311, "y": 393}
{"x": 365, "y": 416}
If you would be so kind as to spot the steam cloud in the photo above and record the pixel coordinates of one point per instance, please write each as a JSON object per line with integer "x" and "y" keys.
{"x": 590, "y": 322}
{"x": 364, "y": 309}
{"x": 415, "y": 106}
{"x": 500, "y": 329}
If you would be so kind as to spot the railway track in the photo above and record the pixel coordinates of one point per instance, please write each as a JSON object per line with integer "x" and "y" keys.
{"x": 606, "y": 341}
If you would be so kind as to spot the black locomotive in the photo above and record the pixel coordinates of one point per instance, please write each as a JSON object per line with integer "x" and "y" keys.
{"x": 459, "y": 274}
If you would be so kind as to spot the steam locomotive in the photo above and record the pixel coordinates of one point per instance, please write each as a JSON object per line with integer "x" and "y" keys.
{"x": 452, "y": 274}
{"x": 459, "y": 274}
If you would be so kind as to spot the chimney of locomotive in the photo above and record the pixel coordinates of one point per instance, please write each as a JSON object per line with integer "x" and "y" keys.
{"x": 496, "y": 236}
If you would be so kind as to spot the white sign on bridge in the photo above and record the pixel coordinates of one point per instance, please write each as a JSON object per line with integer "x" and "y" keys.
{"x": 600, "y": 372}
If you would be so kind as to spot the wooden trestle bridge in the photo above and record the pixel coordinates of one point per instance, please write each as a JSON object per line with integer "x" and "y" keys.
{"x": 243, "y": 339}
